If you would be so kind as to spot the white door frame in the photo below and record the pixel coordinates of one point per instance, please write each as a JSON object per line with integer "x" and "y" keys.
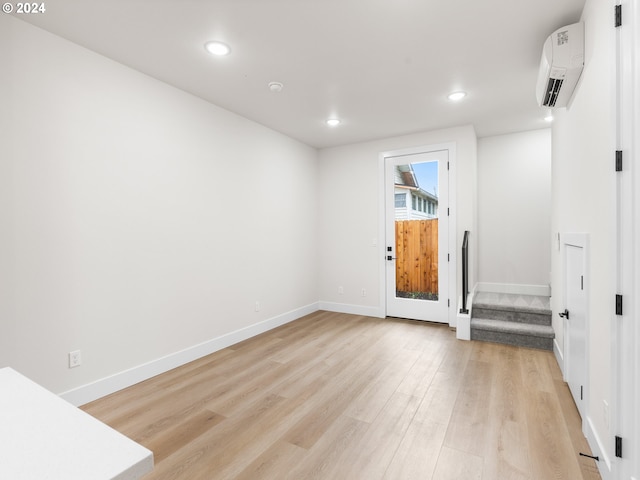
{"x": 625, "y": 357}
{"x": 580, "y": 240}
{"x": 453, "y": 242}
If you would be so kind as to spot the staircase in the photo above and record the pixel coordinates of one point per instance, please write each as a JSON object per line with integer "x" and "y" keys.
{"x": 522, "y": 320}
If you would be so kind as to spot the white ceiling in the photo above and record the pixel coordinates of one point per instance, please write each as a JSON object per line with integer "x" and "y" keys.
{"x": 384, "y": 67}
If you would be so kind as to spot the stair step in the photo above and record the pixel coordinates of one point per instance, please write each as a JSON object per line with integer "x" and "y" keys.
{"x": 512, "y": 333}
{"x": 512, "y": 327}
{"x": 513, "y": 302}
{"x": 513, "y": 319}
{"x": 511, "y": 314}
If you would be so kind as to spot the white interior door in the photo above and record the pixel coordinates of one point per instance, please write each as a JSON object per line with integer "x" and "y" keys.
{"x": 416, "y": 232}
{"x": 575, "y": 322}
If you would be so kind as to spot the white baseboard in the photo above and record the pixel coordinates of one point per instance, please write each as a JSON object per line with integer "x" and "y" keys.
{"x": 597, "y": 447}
{"x": 105, "y": 386}
{"x": 352, "y": 309}
{"x": 514, "y": 288}
{"x": 557, "y": 351}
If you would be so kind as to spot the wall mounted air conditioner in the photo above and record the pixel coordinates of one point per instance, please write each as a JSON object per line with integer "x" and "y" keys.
{"x": 561, "y": 65}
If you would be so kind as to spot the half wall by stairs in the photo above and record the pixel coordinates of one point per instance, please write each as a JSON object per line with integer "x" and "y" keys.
{"x": 522, "y": 320}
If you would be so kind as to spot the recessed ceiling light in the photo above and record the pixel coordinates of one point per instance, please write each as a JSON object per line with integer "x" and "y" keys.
{"x": 548, "y": 118}
{"x": 455, "y": 96}
{"x": 217, "y": 48}
{"x": 275, "y": 86}
{"x": 333, "y": 122}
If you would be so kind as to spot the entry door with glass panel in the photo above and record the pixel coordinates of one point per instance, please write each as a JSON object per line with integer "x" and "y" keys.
{"x": 416, "y": 200}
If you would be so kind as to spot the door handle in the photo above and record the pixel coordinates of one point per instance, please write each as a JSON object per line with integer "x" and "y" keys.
{"x": 565, "y": 314}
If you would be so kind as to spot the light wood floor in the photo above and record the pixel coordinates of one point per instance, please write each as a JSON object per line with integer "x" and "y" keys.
{"x": 334, "y": 396}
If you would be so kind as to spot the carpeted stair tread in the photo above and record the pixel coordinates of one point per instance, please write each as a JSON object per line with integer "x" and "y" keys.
{"x": 528, "y": 341}
{"x": 512, "y": 327}
{"x": 512, "y": 315}
{"x": 513, "y": 302}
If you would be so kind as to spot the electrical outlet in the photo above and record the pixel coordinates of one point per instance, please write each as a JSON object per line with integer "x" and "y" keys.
{"x": 605, "y": 412}
{"x": 257, "y": 306}
{"x": 364, "y": 292}
{"x": 75, "y": 359}
{"x": 340, "y": 290}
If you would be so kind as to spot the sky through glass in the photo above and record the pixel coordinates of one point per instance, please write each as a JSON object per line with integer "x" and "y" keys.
{"x": 427, "y": 176}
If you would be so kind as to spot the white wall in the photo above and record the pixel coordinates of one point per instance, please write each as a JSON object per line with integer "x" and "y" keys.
{"x": 583, "y": 190}
{"x": 122, "y": 232}
{"x": 350, "y": 214}
{"x": 514, "y": 208}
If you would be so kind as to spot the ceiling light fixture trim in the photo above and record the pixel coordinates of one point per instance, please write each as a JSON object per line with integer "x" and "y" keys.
{"x": 275, "y": 86}
{"x": 217, "y": 48}
{"x": 456, "y": 96}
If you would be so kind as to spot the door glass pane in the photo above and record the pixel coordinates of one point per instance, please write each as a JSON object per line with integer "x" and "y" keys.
{"x": 416, "y": 228}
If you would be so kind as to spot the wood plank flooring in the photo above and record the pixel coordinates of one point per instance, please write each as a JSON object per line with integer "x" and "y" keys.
{"x": 335, "y": 396}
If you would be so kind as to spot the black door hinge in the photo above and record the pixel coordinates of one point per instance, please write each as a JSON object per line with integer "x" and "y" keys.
{"x": 447, "y": 211}
{"x": 581, "y": 392}
{"x": 618, "y": 447}
{"x": 618, "y": 304}
{"x": 581, "y": 282}
{"x": 447, "y": 165}
{"x": 448, "y": 257}
{"x": 448, "y": 302}
{"x": 618, "y": 160}
{"x": 618, "y": 16}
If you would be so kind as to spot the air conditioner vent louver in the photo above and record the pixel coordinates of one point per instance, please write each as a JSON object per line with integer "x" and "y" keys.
{"x": 551, "y": 95}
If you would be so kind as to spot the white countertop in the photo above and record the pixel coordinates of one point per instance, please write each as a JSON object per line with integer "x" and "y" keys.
{"x": 42, "y": 437}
